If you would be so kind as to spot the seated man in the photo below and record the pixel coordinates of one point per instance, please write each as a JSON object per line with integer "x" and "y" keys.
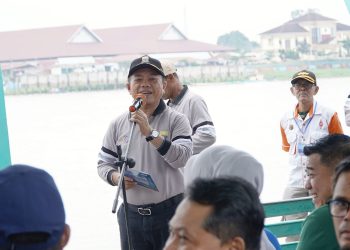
{"x": 32, "y": 215}
{"x": 339, "y": 205}
{"x": 323, "y": 156}
{"x": 224, "y": 161}
{"x": 222, "y": 213}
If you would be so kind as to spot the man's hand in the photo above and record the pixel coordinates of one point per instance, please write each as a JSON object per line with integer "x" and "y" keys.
{"x": 129, "y": 183}
{"x": 141, "y": 119}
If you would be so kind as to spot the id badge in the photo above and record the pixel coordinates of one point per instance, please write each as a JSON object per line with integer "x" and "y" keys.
{"x": 301, "y": 148}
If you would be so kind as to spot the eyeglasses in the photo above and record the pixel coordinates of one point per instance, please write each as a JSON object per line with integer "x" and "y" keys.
{"x": 306, "y": 86}
{"x": 338, "y": 207}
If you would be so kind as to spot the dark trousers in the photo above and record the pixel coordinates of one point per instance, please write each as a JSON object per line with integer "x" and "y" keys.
{"x": 148, "y": 224}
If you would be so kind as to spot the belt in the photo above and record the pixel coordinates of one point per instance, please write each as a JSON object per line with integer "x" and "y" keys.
{"x": 154, "y": 209}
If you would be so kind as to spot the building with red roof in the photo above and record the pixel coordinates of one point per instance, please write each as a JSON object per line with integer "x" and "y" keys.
{"x": 80, "y": 41}
{"x": 71, "y": 55}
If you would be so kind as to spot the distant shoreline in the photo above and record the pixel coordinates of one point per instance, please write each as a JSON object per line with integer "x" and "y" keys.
{"x": 268, "y": 76}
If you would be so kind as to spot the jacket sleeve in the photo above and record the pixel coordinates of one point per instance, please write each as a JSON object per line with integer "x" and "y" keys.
{"x": 107, "y": 155}
{"x": 334, "y": 126}
{"x": 203, "y": 137}
{"x": 177, "y": 151}
{"x": 203, "y": 130}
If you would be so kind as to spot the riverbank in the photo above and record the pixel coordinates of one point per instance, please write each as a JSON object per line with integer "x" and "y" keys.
{"x": 190, "y": 74}
{"x": 62, "y": 133}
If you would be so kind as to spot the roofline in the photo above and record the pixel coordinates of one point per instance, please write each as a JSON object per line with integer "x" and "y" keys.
{"x": 70, "y": 39}
{"x": 132, "y": 26}
{"x": 170, "y": 25}
{"x": 42, "y": 28}
{"x": 110, "y": 55}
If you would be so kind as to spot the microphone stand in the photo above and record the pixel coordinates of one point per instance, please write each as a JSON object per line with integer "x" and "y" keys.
{"x": 123, "y": 163}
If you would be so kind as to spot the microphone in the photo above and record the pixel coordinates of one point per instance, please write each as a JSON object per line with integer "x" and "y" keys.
{"x": 138, "y": 102}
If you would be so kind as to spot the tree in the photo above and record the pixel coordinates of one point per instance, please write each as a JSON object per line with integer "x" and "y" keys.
{"x": 346, "y": 46}
{"x": 236, "y": 40}
{"x": 288, "y": 54}
{"x": 303, "y": 47}
{"x": 297, "y": 13}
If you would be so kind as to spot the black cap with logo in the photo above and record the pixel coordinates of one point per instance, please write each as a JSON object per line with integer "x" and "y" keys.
{"x": 146, "y": 62}
{"x": 306, "y": 75}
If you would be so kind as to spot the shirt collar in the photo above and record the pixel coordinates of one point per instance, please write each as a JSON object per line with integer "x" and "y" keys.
{"x": 310, "y": 113}
{"x": 180, "y": 96}
{"x": 161, "y": 107}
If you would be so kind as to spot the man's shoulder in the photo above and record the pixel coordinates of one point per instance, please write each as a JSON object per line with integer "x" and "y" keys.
{"x": 321, "y": 109}
{"x": 322, "y": 210}
{"x": 192, "y": 95}
{"x": 173, "y": 114}
{"x": 193, "y": 100}
{"x": 120, "y": 117}
{"x": 318, "y": 231}
{"x": 318, "y": 216}
{"x": 175, "y": 119}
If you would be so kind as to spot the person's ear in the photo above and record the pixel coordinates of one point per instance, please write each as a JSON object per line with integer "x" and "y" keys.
{"x": 128, "y": 87}
{"x": 65, "y": 236}
{"x": 316, "y": 90}
{"x": 237, "y": 243}
{"x": 165, "y": 83}
{"x": 292, "y": 90}
{"x": 171, "y": 76}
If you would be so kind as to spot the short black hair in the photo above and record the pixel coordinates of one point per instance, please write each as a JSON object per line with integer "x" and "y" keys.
{"x": 329, "y": 149}
{"x": 342, "y": 167}
{"x": 237, "y": 210}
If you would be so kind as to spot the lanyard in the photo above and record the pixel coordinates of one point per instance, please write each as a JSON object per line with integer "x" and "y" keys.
{"x": 302, "y": 131}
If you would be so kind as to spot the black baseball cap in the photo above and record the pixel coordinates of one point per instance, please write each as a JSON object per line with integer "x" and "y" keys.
{"x": 306, "y": 75}
{"x": 146, "y": 62}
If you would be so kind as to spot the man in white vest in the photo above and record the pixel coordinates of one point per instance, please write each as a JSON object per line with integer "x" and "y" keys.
{"x": 307, "y": 122}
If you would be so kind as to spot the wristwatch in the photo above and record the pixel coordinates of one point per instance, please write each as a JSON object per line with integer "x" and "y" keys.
{"x": 154, "y": 134}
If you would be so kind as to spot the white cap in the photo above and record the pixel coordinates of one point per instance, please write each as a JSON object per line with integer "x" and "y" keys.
{"x": 168, "y": 67}
{"x": 221, "y": 160}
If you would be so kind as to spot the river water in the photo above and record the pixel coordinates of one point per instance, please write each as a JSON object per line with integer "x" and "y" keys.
{"x": 62, "y": 133}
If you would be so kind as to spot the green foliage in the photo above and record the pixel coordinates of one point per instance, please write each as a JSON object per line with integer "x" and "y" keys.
{"x": 269, "y": 55}
{"x": 346, "y": 45}
{"x": 255, "y": 45}
{"x": 297, "y": 13}
{"x": 288, "y": 54}
{"x": 236, "y": 40}
{"x": 303, "y": 47}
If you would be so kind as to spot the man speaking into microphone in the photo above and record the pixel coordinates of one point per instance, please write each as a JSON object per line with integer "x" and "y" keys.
{"x": 161, "y": 144}
{"x": 139, "y": 99}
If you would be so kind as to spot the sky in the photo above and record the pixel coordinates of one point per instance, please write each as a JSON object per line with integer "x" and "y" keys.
{"x": 199, "y": 20}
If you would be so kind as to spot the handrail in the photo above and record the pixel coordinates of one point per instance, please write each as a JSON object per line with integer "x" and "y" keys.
{"x": 5, "y": 157}
{"x": 290, "y": 227}
{"x": 287, "y": 207}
